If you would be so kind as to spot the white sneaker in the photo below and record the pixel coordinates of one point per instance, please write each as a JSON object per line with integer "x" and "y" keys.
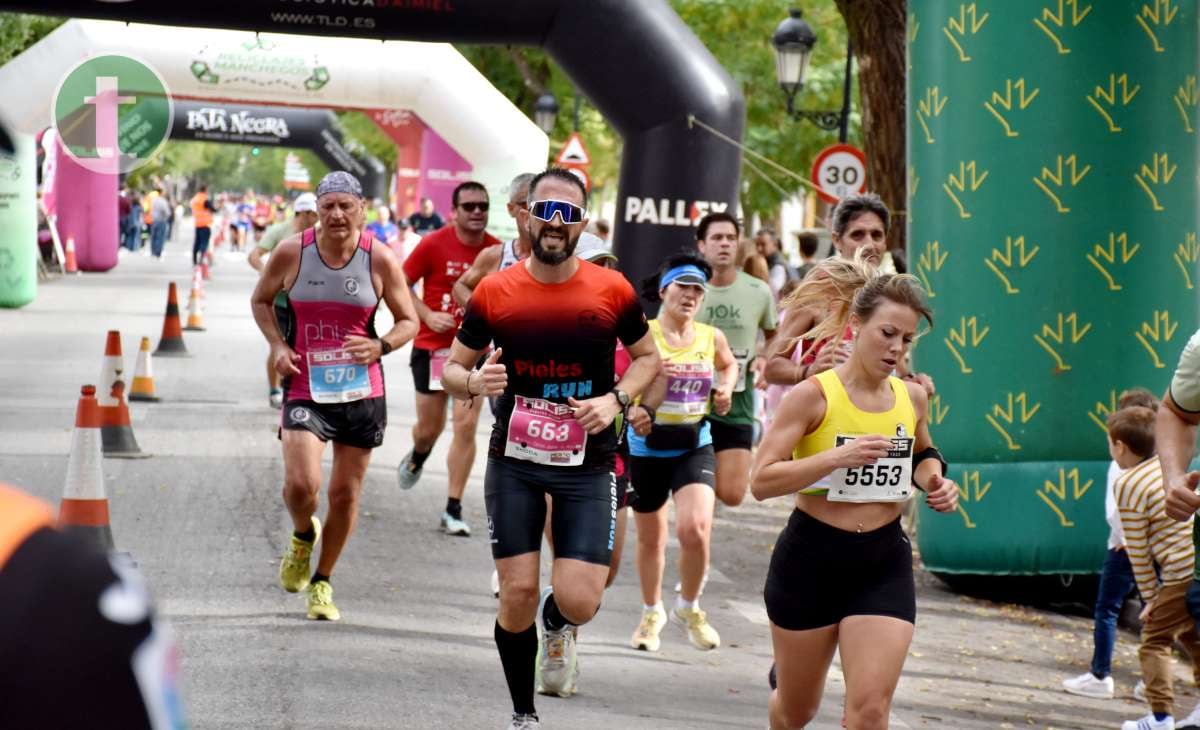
{"x": 1149, "y": 723}
{"x": 557, "y": 671}
{"x": 495, "y": 584}
{"x": 406, "y": 474}
{"x": 1139, "y": 691}
{"x": 1086, "y": 685}
{"x": 452, "y": 525}
{"x": 524, "y": 722}
{"x": 645, "y": 637}
{"x": 1192, "y": 720}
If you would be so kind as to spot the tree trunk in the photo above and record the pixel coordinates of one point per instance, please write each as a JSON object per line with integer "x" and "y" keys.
{"x": 877, "y": 31}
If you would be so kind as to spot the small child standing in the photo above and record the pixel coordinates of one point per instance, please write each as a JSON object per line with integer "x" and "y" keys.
{"x": 1154, "y": 539}
{"x": 1116, "y": 582}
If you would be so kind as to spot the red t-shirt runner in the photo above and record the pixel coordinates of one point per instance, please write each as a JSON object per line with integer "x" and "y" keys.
{"x": 437, "y": 261}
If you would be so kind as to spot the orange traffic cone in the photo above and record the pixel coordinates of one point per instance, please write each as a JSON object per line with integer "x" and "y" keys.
{"x": 84, "y": 507}
{"x": 70, "y": 266}
{"x": 195, "y": 320}
{"x": 198, "y": 278}
{"x": 143, "y": 376}
{"x": 170, "y": 344}
{"x": 116, "y": 431}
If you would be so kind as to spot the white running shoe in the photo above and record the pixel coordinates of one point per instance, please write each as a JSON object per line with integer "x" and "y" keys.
{"x": 1149, "y": 723}
{"x": 1192, "y": 720}
{"x": 495, "y": 584}
{"x": 1139, "y": 691}
{"x": 1086, "y": 685}
{"x": 645, "y": 637}
{"x": 557, "y": 664}
{"x": 524, "y": 722}
{"x": 702, "y": 635}
{"x": 406, "y": 475}
{"x": 452, "y": 525}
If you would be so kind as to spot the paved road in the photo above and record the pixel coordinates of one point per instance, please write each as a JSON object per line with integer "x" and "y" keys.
{"x": 204, "y": 519}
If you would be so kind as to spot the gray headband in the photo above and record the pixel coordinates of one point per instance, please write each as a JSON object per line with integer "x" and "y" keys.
{"x": 339, "y": 181}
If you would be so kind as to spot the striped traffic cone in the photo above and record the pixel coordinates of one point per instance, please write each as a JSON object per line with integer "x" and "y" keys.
{"x": 198, "y": 278}
{"x": 143, "y": 376}
{"x": 195, "y": 320}
{"x": 84, "y": 507}
{"x": 170, "y": 344}
{"x": 116, "y": 431}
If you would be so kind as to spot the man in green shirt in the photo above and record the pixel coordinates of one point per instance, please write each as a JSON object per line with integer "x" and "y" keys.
{"x": 305, "y": 217}
{"x": 740, "y": 306}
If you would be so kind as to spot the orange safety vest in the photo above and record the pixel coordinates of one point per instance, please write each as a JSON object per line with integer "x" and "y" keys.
{"x": 147, "y": 203}
{"x": 202, "y": 215}
{"x": 20, "y": 516}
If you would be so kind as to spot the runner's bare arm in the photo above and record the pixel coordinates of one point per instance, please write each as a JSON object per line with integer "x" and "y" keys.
{"x": 779, "y": 368}
{"x": 461, "y": 380}
{"x": 284, "y": 261}
{"x": 727, "y": 373}
{"x": 486, "y": 262}
{"x": 941, "y": 493}
{"x": 775, "y": 473}
{"x": 597, "y": 414}
{"x": 254, "y": 258}
{"x": 1175, "y": 439}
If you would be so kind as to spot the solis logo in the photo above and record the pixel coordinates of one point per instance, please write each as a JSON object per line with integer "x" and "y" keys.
{"x": 667, "y": 212}
{"x": 112, "y": 113}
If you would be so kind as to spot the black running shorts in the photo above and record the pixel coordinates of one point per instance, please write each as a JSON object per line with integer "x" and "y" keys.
{"x": 727, "y": 435}
{"x": 419, "y": 362}
{"x": 584, "y": 521}
{"x": 820, "y": 574}
{"x": 360, "y": 423}
{"x": 283, "y": 318}
{"x": 656, "y": 478}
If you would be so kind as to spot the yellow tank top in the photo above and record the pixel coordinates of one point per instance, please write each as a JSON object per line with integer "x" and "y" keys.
{"x": 689, "y": 375}
{"x": 844, "y": 418}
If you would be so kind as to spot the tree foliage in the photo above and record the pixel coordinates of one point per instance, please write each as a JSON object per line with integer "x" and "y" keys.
{"x": 224, "y": 166}
{"x": 19, "y": 31}
{"x": 738, "y": 33}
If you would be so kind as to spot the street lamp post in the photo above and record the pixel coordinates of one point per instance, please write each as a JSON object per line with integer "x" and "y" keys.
{"x": 793, "y": 40}
{"x": 545, "y": 112}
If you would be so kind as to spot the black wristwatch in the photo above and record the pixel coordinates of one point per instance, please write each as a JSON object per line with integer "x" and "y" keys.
{"x": 622, "y": 397}
{"x": 384, "y": 347}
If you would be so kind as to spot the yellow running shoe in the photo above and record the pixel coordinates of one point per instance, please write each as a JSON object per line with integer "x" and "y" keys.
{"x": 646, "y": 636}
{"x": 320, "y": 602}
{"x": 702, "y": 635}
{"x": 294, "y": 568}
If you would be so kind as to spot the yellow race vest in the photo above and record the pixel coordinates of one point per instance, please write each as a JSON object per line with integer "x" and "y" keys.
{"x": 689, "y": 373}
{"x": 843, "y": 418}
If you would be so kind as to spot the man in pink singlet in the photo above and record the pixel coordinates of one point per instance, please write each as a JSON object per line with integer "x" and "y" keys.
{"x": 333, "y": 379}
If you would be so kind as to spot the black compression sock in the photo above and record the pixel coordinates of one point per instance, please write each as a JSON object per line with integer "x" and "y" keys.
{"x": 454, "y": 507}
{"x": 552, "y": 618}
{"x": 319, "y": 576}
{"x": 518, "y": 655}
{"x": 419, "y": 457}
{"x": 309, "y": 535}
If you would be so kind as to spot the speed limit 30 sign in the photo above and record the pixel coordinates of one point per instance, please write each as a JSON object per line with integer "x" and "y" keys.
{"x": 839, "y": 170}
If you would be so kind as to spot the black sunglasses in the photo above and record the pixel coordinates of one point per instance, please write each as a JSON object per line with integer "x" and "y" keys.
{"x": 474, "y": 207}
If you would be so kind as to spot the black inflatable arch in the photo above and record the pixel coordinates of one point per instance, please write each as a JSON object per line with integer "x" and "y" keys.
{"x": 277, "y": 126}
{"x": 635, "y": 60}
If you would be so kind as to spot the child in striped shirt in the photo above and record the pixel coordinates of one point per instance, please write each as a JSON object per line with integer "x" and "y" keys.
{"x": 1152, "y": 538}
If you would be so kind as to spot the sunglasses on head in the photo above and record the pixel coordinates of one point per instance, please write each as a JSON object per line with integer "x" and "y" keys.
{"x": 545, "y": 210}
{"x": 474, "y": 207}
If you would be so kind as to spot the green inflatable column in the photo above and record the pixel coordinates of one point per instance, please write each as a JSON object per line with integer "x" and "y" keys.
{"x": 18, "y": 224}
{"x": 1053, "y": 218}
